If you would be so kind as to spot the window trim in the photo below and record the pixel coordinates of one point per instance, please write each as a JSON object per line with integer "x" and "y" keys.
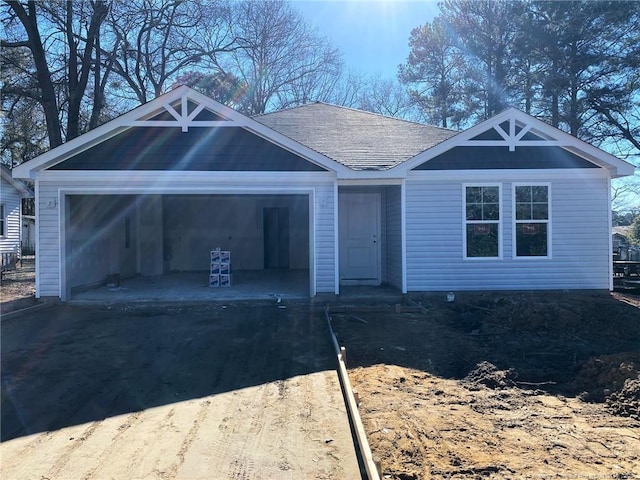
{"x": 515, "y": 222}
{"x": 466, "y": 222}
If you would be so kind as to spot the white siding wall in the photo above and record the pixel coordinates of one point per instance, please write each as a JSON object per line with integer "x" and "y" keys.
{"x": 10, "y": 241}
{"x": 393, "y": 237}
{"x": 579, "y": 240}
{"x": 49, "y": 229}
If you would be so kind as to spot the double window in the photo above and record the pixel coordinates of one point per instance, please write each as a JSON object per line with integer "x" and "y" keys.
{"x": 483, "y": 221}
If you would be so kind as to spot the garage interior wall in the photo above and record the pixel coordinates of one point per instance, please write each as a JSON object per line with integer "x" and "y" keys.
{"x": 195, "y": 224}
{"x": 156, "y": 234}
{"x": 101, "y": 238}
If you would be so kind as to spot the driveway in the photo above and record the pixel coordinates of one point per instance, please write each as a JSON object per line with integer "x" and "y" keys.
{"x": 236, "y": 391}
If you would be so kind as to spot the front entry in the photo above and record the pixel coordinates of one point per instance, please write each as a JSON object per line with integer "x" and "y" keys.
{"x": 359, "y": 237}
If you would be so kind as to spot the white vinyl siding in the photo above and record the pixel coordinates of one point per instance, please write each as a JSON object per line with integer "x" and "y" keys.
{"x": 580, "y": 238}
{"x": 49, "y": 206}
{"x": 11, "y": 202}
{"x": 393, "y": 237}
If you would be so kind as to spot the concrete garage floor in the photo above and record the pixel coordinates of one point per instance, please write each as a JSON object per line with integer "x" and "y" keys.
{"x": 246, "y": 285}
{"x": 243, "y": 390}
{"x": 194, "y": 287}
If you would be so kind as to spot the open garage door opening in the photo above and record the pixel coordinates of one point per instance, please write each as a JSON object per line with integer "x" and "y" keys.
{"x": 157, "y": 247}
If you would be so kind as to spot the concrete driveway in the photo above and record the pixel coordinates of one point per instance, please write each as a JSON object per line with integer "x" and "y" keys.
{"x": 237, "y": 391}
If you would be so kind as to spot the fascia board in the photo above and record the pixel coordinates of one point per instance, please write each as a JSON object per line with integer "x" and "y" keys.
{"x": 25, "y": 191}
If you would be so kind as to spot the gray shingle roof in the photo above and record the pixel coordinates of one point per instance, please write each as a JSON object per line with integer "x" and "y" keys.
{"x": 357, "y": 139}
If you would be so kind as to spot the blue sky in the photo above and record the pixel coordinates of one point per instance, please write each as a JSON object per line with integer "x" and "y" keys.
{"x": 373, "y": 35}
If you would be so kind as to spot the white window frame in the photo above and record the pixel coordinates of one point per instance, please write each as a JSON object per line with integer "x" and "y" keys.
{"x": 466, "y": 222}
{"x": 515, "y": 222}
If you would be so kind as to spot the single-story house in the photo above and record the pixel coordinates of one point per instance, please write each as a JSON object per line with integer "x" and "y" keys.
{"x": 623, "y": 250}
{"x": 349, "y": 197}
{"x": 12, "y": 191}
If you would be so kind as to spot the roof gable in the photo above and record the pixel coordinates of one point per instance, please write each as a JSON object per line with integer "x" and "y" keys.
{"x": 513, "y": 139}
{"x": 181, "y": 110}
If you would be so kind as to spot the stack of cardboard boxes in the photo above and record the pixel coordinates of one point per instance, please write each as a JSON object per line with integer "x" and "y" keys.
{"x": 220, "y": 272}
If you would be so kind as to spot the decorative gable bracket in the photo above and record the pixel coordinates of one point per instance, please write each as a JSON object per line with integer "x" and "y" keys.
{"x": 185, "y": 112}
{"x": 513, "y": 133}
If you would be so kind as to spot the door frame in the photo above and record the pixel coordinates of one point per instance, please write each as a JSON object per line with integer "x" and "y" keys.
{"x": 378, "y": 233}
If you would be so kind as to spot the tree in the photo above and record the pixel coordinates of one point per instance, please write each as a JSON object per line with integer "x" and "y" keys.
{"x": 279, "y": 56}
{"x": 486, "y": 31}
{"x": 222, "y": 87}
{"x": 69, "y": 32}
{"x": 634, "y": 232}
{"x": 435, "y": 72}
{"x": 386, "y": 97}
{"x": 152, "y": 42}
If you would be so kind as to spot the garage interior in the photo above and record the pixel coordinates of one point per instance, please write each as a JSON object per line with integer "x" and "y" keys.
{"x": 157, "y": 247}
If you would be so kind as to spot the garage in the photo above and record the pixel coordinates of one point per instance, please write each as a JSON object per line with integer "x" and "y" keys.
{"x": 150, "y": 246}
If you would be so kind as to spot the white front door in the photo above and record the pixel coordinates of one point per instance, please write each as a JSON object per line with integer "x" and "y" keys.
{"x": 359, "y": 237}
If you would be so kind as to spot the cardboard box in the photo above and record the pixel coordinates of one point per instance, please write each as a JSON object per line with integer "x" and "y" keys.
{"x": 214, "y": 280}
{"x": 225, "y": 256}
{"x": 220, "y": 269}
{"x": 215, "y": 256}
{"x": 225, "y": 280}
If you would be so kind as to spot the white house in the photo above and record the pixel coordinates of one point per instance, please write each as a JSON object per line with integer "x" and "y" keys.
{"x": 12, "y": 192}
{"x": 347, "y": 196}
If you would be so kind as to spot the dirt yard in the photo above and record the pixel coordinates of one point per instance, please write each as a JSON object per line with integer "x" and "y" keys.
{"x": 17, "y": 289}
{"x": 235, "y": 391}
{"x": 500, "y": 386}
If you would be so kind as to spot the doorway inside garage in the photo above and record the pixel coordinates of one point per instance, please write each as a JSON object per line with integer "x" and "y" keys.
{"x": 150, "y": 243}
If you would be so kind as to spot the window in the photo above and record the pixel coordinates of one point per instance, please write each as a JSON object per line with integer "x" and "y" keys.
{"x": 482, "y": 222}
{"x": 531, "y": 220}
{"x": 3, "y": 222}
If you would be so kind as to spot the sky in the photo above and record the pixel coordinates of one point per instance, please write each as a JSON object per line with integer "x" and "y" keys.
{"x": 373, "y": 35}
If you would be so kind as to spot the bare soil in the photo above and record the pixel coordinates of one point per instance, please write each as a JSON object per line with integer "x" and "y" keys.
{"x": 216, "y": 391}
{"x": 500, "y": 386}
{"x": 17, "y": 287}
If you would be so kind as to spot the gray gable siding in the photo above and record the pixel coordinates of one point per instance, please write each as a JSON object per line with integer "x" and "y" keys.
{"x": 199, "y": 149}
{"x": 580, "y": 240}
{"x": 476, "y": 158}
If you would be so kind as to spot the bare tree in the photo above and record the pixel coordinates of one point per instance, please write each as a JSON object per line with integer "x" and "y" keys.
{"x": 152, "y": 42}
{"x": 67, "y": 31}
{"x": 281, "y": 57}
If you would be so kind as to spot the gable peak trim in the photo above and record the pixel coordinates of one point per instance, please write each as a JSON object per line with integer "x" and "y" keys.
{"x": 183, "y": 108}
{"x": 514, "y": 129}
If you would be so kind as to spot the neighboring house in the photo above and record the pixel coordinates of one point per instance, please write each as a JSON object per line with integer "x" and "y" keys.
{"x": 349, "y": 196}
{"x": 12, "y": 192}
{"x": 622, "y": 248}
